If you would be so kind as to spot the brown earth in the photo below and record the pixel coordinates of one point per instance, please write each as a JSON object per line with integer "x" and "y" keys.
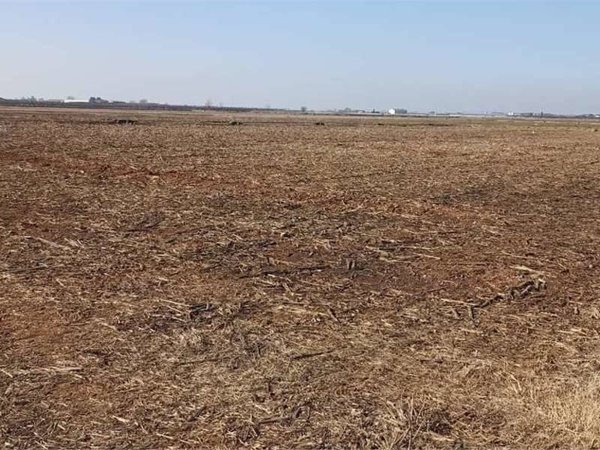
{"x": 187, "y": 281}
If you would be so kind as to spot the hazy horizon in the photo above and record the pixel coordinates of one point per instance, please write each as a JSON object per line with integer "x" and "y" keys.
{"x": 443, "y": 56}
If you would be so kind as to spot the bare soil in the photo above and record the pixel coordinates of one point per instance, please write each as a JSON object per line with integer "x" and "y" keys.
{"x": 209, "y": 281}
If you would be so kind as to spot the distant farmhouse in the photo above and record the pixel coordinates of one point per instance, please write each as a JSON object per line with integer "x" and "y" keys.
{"x": 395, "y": 111}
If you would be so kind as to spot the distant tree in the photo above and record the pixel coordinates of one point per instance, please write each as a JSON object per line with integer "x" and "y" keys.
{"x": 70, "y": 97}
{"x": 303, "y": 109}
{"x": 97, "y": 100}
{"x": 143, "y": 101}
{"x": 208, "y": 103}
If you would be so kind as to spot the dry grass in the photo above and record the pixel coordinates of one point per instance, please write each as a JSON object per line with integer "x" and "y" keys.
{"x": 183, "y": 282}
{"x": 575, "y": 410}
{"x": 560, "y": 413}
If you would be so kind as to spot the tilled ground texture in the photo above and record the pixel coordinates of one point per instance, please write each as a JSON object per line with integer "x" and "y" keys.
{"x": 206, "y": 281}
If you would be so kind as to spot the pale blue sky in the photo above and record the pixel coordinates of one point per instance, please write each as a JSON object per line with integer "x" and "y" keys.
{"x": 447, "y": 56}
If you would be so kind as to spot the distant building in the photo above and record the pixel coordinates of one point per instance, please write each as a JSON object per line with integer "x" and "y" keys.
{"x": 74, "y": 100}
{"x": 394, "y": 111}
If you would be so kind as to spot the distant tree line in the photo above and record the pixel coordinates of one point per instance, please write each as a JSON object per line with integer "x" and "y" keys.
{"x": 100, "y": 103}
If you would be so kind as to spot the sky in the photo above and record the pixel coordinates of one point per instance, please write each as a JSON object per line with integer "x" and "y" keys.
{"x": 445, "y": 56}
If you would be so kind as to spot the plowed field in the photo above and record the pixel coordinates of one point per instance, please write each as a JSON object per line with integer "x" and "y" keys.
{"x": 377, "y": 283}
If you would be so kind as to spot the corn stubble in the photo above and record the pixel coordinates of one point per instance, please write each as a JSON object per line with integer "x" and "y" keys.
{"x": 178, "y": 282}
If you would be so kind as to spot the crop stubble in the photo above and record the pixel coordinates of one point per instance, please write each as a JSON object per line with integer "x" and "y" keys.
{"x": 203, "y": 281}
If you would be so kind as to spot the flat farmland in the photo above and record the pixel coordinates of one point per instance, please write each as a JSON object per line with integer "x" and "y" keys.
{"x": 368, "y": 283}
